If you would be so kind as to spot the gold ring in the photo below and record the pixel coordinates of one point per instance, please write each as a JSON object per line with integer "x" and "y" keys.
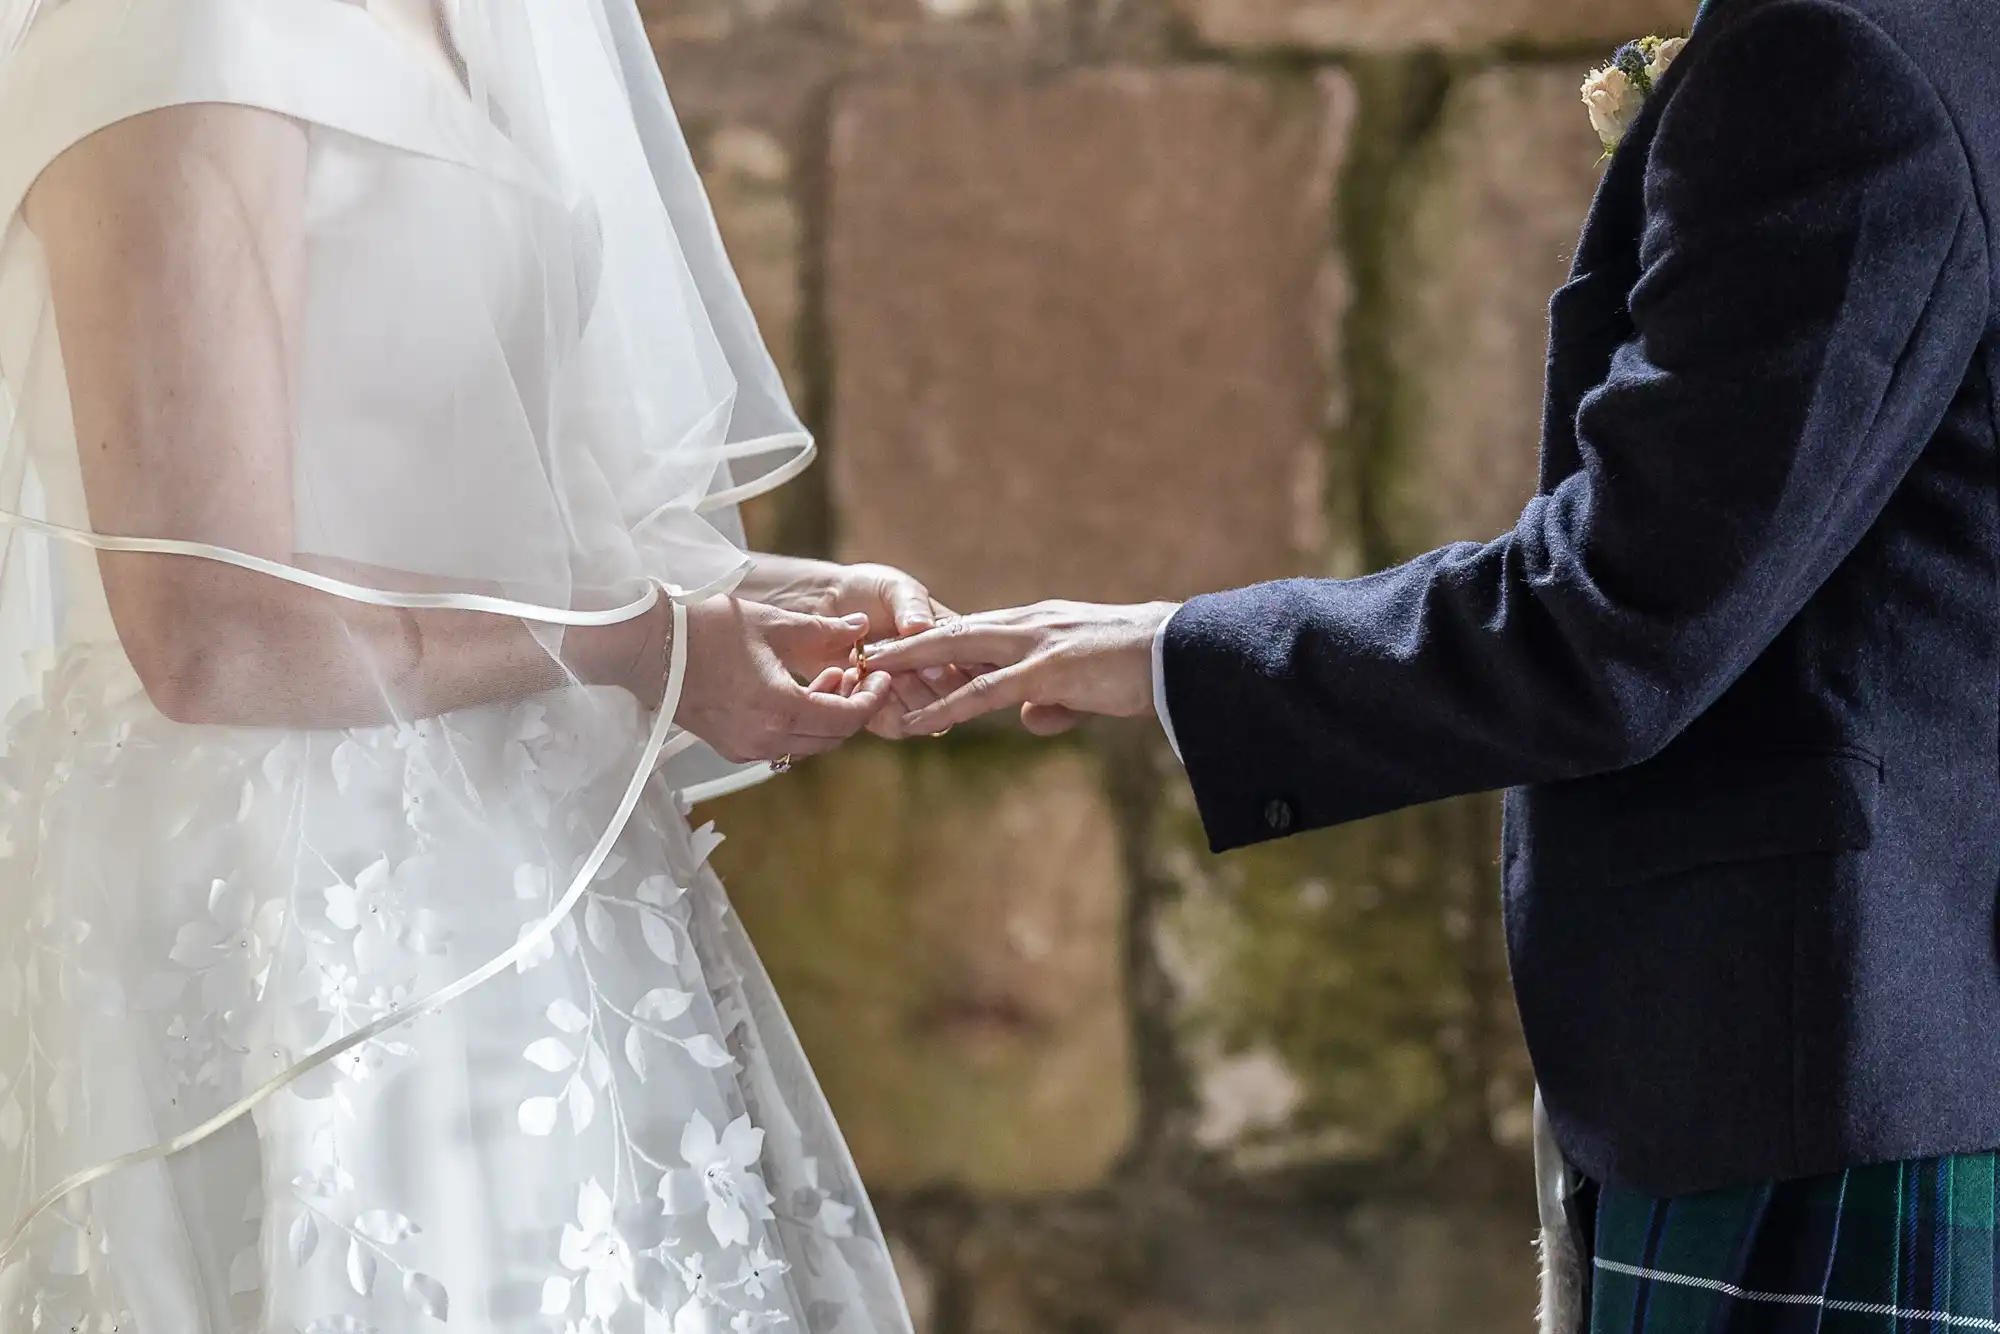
{"x": 782, "y": 765}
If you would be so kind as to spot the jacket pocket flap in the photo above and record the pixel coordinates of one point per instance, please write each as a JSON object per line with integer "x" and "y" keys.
{"x": 1587, "y": 304}
{"x": 1644, "y": 824}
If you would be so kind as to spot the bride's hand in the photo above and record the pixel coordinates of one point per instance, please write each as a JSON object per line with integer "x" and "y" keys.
{"x": 895, "y": 603}
{"x": 742, "y": 693}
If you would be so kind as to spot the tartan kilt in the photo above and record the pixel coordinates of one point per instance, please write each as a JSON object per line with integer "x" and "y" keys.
{"x": 1896, "y": 1248}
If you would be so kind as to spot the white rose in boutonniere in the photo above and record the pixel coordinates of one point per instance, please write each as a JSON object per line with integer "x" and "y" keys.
{"x": 1614, "y": 94}
{"x": 1611, "y": 99}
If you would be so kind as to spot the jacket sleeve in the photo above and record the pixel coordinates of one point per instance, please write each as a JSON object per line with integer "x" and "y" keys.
{"x": 1813, "y": 282}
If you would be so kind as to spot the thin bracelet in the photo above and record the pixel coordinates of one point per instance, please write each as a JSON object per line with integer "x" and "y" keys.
{"x": 667, "y": 659}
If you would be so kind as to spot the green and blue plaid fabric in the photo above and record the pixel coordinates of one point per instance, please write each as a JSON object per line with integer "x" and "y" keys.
{"x": 1899, "y": 1248}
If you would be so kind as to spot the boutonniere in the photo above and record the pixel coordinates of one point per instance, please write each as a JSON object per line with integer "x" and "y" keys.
{"x": 1614, "y": 94}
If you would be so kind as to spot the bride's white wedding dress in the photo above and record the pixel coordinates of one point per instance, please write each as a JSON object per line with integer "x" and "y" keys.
{"x": 525, "y": 383}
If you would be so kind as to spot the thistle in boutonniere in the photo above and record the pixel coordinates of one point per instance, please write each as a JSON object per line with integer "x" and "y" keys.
{"x": 1614, "y": 94}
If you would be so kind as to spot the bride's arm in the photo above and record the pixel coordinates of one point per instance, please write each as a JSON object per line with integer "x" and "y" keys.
{"x": 175, "y": 253}
{"x": 175, "y": 245}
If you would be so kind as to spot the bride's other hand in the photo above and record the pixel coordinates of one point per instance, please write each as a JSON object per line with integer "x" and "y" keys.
{"x": 1055, "y": 661}
{"x": 895, "y": 603}
{"x": 743, "y": 694}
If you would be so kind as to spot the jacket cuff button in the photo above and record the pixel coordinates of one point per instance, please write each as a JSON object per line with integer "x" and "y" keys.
{"x": 1278, "y": 816}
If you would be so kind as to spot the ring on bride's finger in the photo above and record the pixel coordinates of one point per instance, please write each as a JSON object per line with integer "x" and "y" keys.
{"x": 782, "y": 765}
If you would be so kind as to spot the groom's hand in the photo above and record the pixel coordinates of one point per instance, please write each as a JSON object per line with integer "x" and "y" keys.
{"x": 1054, "y": 660}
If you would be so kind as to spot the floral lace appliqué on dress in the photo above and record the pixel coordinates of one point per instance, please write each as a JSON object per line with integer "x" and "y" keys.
{"x": 619, "y": 1136}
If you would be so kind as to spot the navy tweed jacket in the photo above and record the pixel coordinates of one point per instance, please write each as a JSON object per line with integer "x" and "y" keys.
{"x": 1739, "y": 660}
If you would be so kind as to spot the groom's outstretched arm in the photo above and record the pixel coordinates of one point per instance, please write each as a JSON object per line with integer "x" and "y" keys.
{"x": 1814, "y": 282}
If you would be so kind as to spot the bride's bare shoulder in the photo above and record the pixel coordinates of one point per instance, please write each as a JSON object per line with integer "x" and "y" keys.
{"x": 164, "y": 168}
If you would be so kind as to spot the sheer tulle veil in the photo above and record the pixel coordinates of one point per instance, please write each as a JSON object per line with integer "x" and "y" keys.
{"x": 525, "y": 383}
{"x": 15, "y": 18}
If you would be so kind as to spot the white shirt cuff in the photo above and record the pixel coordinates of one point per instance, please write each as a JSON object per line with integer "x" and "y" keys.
{"x": 1160, "y": 686}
